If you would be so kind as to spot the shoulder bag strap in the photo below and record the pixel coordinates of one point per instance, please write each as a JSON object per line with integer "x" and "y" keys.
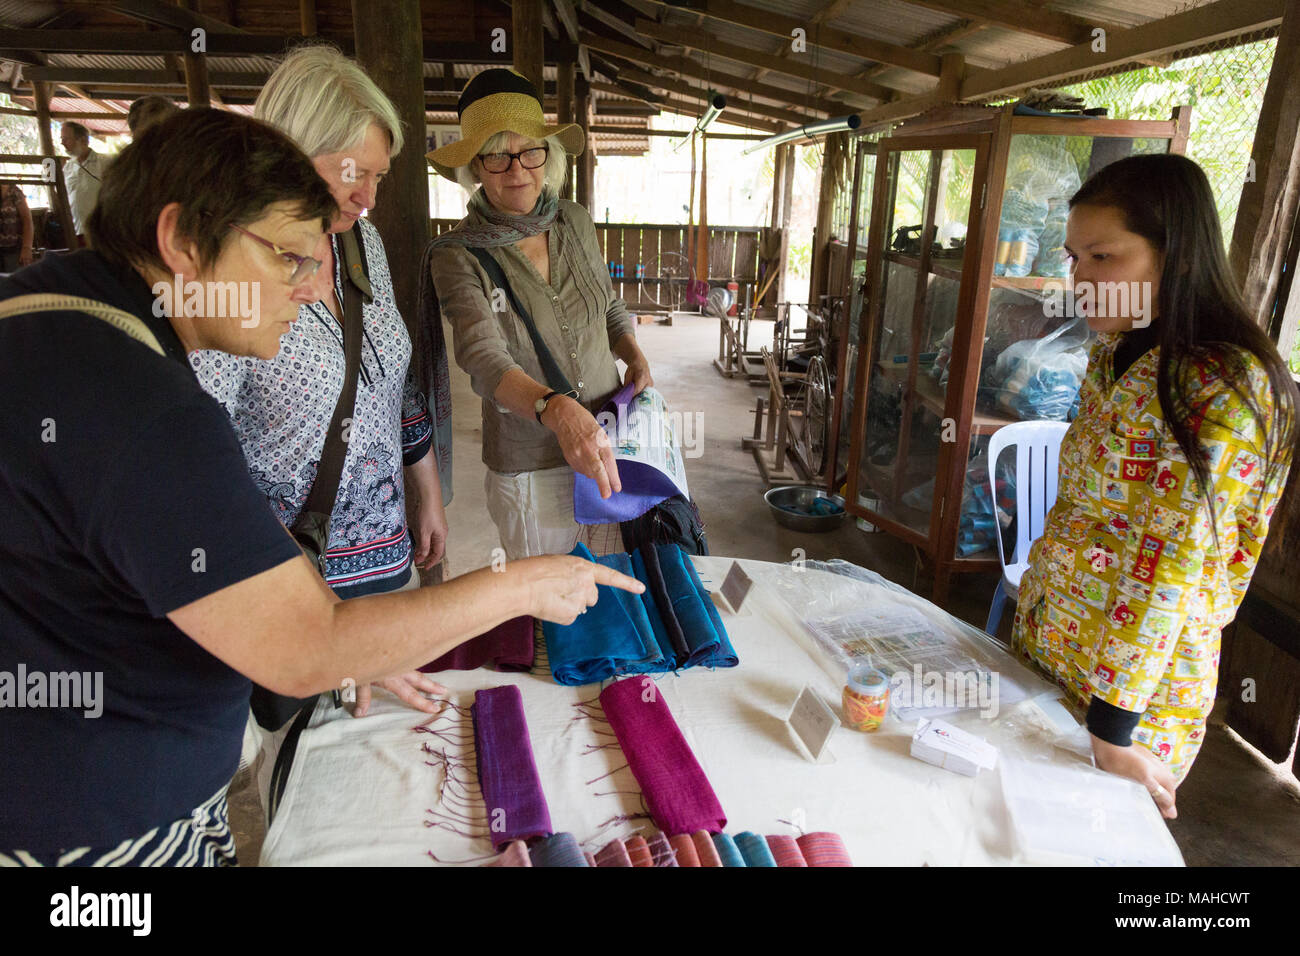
{"x": 325, "y": 488}
{"x": 51, "y": 302}
{"x": 550, "y": 368}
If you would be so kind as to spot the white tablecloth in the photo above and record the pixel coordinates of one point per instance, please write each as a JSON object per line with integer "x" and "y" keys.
{"x": 360, "y": 790}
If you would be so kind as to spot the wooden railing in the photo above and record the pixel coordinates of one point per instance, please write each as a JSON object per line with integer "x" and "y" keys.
{"x": 645, "y": 258}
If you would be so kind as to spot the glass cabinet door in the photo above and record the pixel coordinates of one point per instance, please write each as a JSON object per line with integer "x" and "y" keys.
{"x": 1035, "y": 348}
{"x": 913, "y": 310}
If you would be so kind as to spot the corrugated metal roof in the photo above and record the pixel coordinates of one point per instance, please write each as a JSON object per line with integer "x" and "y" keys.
{"x": 892, "y": 21}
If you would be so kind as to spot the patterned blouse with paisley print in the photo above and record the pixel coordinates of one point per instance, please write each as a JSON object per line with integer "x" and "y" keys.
{"x": 1126, "y": 591}
{"x": 281, "y": 409}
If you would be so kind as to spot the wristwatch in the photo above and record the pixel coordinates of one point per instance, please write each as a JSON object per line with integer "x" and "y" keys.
{"x": 539, "y": 406}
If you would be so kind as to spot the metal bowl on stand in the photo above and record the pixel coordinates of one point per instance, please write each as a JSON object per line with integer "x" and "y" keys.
{"x": 797, "y": 508}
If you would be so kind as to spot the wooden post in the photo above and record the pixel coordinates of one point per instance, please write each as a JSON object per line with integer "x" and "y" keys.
{"x": 307, "y": 17}
{"x": 59, "y": 194}
{"x": 787, "y": 200}
{"x": 527, "y": 32}
{"x": 822, "y": 225}
{"x": 390, "y": 50}
{"x": 564, "y": 114}
{"x": 1269, "y": 198}
{"x": 587, "y": 160}
{"x": 197, "y": 90}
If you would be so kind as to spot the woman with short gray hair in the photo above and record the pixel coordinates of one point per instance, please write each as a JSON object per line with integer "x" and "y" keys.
{"x": 282, "y": 409}
{"x": 538, "y": 403}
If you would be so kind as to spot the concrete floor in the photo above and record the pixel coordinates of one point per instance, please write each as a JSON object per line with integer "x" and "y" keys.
{"x": 1235, "y": 807}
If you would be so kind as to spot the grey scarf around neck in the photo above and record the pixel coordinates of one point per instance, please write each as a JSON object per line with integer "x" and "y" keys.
{"x": 485, "y": 226}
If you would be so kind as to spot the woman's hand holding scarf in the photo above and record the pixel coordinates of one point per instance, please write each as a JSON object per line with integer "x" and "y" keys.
{"x": 639, "y": 372}
{"x": 584, "y": 443}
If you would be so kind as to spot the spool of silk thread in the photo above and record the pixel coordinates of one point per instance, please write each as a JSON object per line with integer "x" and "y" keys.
{"x": 865, "y": 698}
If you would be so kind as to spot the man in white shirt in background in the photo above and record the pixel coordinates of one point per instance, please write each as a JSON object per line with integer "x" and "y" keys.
{"x": 82, "y": 175}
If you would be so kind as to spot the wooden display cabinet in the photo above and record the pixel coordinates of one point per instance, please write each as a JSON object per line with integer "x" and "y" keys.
{"x": 932, "y": 299}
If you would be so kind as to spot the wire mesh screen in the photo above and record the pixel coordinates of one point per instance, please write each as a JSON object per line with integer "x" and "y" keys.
{"x": 1222, "y": 81}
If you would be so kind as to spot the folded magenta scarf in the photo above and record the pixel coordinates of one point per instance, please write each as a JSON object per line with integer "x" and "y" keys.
{"x": 673, "y": 785}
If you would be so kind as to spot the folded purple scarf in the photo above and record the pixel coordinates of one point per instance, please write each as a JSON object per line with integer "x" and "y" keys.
{"x": 508, "y": 646}
{"x": 512, "y": 791}
{"x": 676, "y": 792}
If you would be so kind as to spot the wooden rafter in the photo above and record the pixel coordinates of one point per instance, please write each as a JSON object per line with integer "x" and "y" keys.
{"x": 698, "y": 93}
{"x": 1036, "y": 21}
{"x": 162, "y": 14}
{"x": 1223, "y": 19}
{"x": 713, "y": 46}
{"x": 686, "y": 67}
{"x": 829, "y": 38}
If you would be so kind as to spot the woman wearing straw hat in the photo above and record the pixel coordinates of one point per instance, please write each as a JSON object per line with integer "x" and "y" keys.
{"x": 539, "y": 385}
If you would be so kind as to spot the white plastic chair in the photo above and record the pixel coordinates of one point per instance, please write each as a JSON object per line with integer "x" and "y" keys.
{"x": 1038, "y": 453}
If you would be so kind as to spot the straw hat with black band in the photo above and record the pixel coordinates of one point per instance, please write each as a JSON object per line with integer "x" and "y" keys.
{"x": 495, "y": 101}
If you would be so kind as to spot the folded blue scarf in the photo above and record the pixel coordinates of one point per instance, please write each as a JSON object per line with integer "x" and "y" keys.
{"x": 728, "y": 852}
{"x": 672, "y": 624}
{"x": 558, "y": 849}
{"x": 754, "y": 849}
{"x": 612, "y": 637}
{"x": 706, "y": 638}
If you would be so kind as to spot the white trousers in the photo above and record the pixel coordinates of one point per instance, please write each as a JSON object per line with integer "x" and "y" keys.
{"x": 533, "y": 512}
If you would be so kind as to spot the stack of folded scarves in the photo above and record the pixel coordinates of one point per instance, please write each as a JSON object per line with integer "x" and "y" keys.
{"x": 704, "y": 849}
{"x": 671, "y": 625}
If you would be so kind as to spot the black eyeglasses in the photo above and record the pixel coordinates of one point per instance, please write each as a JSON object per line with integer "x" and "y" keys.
{"x": 304, "y": 267}
{"x": 529, "y": 159}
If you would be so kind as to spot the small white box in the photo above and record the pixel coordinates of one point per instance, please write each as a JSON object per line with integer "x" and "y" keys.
{"x": 940, "y": 743}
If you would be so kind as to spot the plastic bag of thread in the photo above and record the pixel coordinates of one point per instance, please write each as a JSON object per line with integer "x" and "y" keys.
{"x": 1039, "y": 379}
{"x": 1041, "y": 177}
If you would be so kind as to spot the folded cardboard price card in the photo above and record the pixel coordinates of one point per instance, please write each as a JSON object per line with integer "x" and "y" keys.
{"x": 940, "y": 743}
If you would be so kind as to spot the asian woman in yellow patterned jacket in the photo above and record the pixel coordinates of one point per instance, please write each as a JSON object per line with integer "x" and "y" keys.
{"x": 1170, "y": 476}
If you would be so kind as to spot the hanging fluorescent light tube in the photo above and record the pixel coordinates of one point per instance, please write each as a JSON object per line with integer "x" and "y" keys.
{"x": 717, "y": 103}
{"x": 810, "y": 131}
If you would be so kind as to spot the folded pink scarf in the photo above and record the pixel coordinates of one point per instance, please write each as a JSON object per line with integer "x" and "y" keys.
{"x": 785, "y": 850}
{"x": 676, "y": 792}
{"x": 824, "y": 849}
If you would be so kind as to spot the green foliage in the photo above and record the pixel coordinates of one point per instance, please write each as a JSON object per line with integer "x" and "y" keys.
{"x": 1225, "y": 90}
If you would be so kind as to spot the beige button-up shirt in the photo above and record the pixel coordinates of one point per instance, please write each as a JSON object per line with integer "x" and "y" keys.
{"x": 82, "y": 178}
{"x": 576, "y": 313}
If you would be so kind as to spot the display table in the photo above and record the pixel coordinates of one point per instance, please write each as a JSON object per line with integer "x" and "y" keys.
{"x": 360, "y": 791}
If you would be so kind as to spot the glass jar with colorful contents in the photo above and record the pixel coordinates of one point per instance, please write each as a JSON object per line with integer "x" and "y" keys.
{"x": 866, "y": 698}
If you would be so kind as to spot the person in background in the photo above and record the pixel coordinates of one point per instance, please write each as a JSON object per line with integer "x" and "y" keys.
{"x": 138, "y": 560}
{"x": 336, "y": 114}
{"x": 148, "y": 110}
{"x": 1169, "y": 477}
{"x": 82, "y": 175}
{"x": 15, "y": 228}
{"x": 534, "y": 437}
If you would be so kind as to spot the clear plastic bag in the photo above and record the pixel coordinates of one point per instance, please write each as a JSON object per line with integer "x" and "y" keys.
{"x": 1041, "y": 177}
{"x": 1040, "y": 378}
{"x": 850, "y": 615}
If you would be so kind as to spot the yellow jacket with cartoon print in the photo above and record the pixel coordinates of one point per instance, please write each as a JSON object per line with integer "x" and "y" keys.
{"x": 1126, "y": 591}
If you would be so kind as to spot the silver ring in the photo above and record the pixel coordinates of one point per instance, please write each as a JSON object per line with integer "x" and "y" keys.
{"x": 583, "y": 611}
{"x": 1158, "y": 791}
